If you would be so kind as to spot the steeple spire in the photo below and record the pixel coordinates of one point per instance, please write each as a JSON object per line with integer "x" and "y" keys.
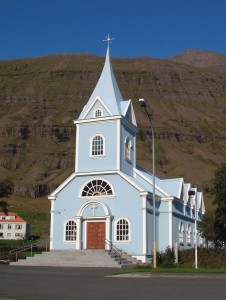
{"x": 107, "y": 88}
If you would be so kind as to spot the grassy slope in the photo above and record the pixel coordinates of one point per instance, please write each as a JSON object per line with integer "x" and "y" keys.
{"x": 188, "y": 105}
{"x": 35, "y": 211}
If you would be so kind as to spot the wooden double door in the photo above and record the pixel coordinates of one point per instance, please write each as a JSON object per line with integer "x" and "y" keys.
{"x": 96, "y": 235}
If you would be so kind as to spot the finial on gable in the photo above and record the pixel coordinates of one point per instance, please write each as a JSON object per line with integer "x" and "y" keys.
{"x": 108, "y": 39}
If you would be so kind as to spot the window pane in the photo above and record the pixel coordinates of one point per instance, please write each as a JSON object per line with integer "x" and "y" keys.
{"x": 97, "y": 188}
{"x": 97, "y": 146}
{"x": 122, "y": 230}
{"x": 70, "y": 231}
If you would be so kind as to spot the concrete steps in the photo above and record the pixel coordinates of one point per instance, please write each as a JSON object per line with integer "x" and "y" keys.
{"x": 74, "y": 258}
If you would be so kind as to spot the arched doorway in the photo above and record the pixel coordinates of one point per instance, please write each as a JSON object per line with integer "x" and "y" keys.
{"x": 94, "y": 225}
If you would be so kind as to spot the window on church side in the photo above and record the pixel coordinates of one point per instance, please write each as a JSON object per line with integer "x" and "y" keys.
{"x": 128, "y": 149}
{"x": 97, "y": 146}
{"x": 189, "y": 235}
{"x": 181, "y": 234}
{"x": 122, "y": 230}
{"x": 70, "y": 231}
{"x": 97, "y": 187}
{"x": 98, "y": 113}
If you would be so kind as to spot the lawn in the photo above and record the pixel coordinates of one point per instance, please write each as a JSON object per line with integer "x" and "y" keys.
{"x": 35, "y": 211}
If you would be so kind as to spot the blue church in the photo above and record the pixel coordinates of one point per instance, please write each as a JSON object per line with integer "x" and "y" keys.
{"x": 108, "y": 200}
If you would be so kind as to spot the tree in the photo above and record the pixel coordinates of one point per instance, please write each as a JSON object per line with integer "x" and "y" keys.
{"x": 220, "y": 201}
{"x": 213, "y": 225}
{"x": 207, "y": 228}
{"x": 6, "y": 187}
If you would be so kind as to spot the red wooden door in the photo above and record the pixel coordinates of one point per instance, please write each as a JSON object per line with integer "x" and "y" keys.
{"x": 95, "y": 235}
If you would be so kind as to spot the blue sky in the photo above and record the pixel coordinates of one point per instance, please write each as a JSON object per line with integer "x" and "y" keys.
{"x": 151, "y": 28}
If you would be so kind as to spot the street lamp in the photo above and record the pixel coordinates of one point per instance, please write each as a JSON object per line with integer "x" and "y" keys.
{"x": 143, "y": 105}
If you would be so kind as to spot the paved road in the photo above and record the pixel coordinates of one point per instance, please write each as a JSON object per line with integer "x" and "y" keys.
{"x": 31, "y": 283}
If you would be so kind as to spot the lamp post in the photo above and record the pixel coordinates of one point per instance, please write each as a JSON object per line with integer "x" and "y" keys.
{"x": 196, "y": 238}
{"x": 143, "y": 105}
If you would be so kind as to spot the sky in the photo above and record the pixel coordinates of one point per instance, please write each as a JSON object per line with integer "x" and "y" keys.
{"x": 153, "y": 28}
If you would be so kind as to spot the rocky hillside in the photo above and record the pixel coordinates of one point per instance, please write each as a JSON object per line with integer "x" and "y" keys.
{"x": 40, "y": 97}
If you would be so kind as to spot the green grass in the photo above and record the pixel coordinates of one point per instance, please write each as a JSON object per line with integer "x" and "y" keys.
{"x": 176, "y": 269}
{"x": 34, "y": 211}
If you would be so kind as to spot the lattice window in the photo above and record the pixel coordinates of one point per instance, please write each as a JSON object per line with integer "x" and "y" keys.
{"x": 70, "y": 231}
{"x": 181, "y": 234}
{"x": 98, "y": 113}
{"x": 189, "y": 235}
{"x": 122, "y": 230}
{"x": 97, "y": 145}
{"x": 128, "y": 149}
{"x": 97, "y": 187}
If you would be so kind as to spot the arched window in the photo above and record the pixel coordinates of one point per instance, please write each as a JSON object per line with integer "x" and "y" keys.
{"x": 97, "y": 145}
{"x": 98, "y": 113}
{"x": 189, "y": 235}
{"x": 181, "y": 234}
{"x": 122, "y": 230}
{"x": 70, "y": 231}
{"x": 127, "y": 149}
{"x": 97, "y": 187}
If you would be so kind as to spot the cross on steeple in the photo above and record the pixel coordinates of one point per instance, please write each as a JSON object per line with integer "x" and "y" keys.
{"x": 108, "y": 39}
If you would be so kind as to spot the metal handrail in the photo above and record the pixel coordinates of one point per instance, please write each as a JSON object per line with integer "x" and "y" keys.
{"x": 117, "y": 252}
{"x": 21, "y": 249}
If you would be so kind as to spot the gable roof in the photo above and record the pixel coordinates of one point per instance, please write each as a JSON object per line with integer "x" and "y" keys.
{"x": 172, "y": 186}
{"x": 17, "y": 219}
{"x": 107, "y": 89}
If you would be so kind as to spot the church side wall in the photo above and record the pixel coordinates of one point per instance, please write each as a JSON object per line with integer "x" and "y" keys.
{"x": 164, "y": 224}
{"x": 126, "y": 165}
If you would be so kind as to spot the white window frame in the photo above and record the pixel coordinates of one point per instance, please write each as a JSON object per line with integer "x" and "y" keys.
{"x": 128, "y": 146}
{"x": 129, "y": 231}
{"x": 93, "y": 188}
{"x": 98, "y": 113}
{"x": 181, "y": 234}
{"x": 92, "y": 146}
{"x": 65, "y": 229}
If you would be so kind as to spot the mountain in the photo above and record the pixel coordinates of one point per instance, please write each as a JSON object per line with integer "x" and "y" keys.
{"x": 41, "y": 96}
{"x": 201, "y": 58}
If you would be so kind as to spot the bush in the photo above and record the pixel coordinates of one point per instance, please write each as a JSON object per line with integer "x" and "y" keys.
{"x": 166, "y": 258}
{"x": 206, "y": 257}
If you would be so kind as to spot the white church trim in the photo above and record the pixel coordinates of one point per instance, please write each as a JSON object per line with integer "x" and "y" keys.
{"x": 92, "y": 105}
{"x": 97, "y": 212}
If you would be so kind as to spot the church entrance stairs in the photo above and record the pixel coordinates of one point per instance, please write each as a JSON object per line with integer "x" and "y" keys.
{"x": 76, "y": 258}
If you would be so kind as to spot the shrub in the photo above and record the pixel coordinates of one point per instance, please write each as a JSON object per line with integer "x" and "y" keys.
{"x": 166, "y": 258}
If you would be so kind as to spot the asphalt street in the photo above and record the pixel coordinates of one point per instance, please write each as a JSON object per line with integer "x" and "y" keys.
{"x": 31, "y": 283}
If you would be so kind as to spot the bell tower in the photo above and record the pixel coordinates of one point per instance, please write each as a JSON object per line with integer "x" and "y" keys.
{"x": 106, "y": 128}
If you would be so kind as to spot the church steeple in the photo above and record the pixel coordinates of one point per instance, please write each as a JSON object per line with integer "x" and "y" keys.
{"x": 106, "y": 129}
{"x": 106, "y": 89}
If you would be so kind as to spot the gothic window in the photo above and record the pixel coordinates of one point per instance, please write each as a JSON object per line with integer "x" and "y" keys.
{"x": 98, "y": 113}
{"x": 181, "y": 234}
{"x": 189, "y": 235}
{"x": 97, "y": 187}
{"x": 128, "y": 149}
{"x": 70, "y": 231}
{"x": 122, "y": 230}
{"x": 97, "y": 145}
